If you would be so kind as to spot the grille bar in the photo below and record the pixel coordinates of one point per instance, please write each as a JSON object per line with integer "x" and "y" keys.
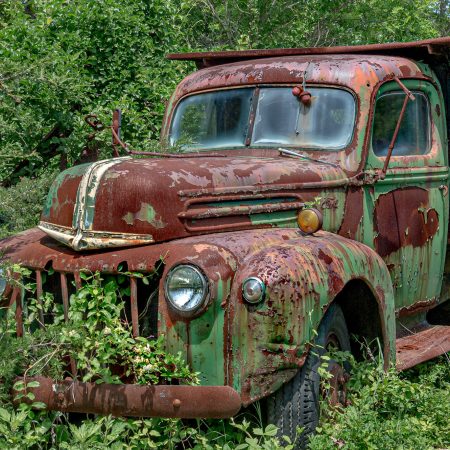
{"x": 140, "y": 303}
{"x": 65, "y": 296}
{"x": 77, "y": 280}
{"x": 134, "y": 306}
{"x": 17, "y": 298}
{"x": 39, "y": 293}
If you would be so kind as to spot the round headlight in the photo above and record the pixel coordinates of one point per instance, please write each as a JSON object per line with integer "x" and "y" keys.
{"x": 253, "y": 290}
{"x": 2, "y": 282}
{"x": 309, "y": 220}
{"x": 186, "y": 288}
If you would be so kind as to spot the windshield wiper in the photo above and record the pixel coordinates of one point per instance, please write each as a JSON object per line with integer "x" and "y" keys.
{"x": 301, "y": 155}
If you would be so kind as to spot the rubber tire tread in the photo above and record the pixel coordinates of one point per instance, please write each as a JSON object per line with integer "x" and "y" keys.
{"x": 296, "y": 403}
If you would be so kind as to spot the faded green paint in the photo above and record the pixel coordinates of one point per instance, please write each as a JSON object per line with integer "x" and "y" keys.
{"x": 416, "y": 272}
{"x": 146, "y": 214}
{"x": 51, "y": 201}
{"x": 206, "y": 342}
{"x": 201, "y": 340}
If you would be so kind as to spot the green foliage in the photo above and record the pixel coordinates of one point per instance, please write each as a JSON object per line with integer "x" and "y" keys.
{"x": 391, "y": 410}
{"x": 387, "y": 410}
{"x": 96, "y": 334}
{"x": 62, "y": 60}
{"x": 21, "y": 205}
{"x": 264, "y": 23}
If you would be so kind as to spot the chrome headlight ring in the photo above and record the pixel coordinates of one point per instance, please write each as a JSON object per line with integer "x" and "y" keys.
{"x": 186, "y": 289}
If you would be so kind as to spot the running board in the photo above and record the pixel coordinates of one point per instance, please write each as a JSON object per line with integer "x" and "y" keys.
{"x": 422, "y": 346}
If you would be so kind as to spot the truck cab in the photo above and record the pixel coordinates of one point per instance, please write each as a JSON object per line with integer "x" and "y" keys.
{"x": 304, "y": 203}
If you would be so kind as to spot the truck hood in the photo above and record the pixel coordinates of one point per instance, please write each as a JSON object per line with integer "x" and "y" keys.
{"x": 124, "y": 201}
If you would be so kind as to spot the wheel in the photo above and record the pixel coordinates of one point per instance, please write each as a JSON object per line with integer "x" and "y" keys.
{"x": 296, "y": 403}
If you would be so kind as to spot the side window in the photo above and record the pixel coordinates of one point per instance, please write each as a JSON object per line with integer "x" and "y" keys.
{"x": 414, "y": 134}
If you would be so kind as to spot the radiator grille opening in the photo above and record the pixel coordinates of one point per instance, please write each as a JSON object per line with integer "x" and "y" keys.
{"x": 54, "y": 289}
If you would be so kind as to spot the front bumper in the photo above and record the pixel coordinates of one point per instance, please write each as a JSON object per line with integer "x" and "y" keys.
{"x": 133, "y": 400}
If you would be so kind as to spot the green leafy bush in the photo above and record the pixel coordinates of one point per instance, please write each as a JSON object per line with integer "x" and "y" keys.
{"x": 62, "y": 60}
{"x": 389, "y": 410}
{"x": 21, "y": 204}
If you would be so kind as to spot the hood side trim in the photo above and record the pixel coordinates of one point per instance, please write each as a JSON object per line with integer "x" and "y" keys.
{"x": 93, "y": 240}
{"x": 85, "y": 204}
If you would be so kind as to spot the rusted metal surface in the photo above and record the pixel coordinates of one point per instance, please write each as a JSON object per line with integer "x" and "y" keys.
{"x": 77, "y": 280}
{"x": 408, "y": 96}
{"x": 116, "y": 127}
{"x": 337, "y": 393}
{"x": 360, "y": 74}
{"x": 414, "y": 221}
{"x": 413, "y": 49}
{"x": 206, "y": 213}
{"x": 134, "y": 307}
{"x": 254, "y": 350}
{"x": 422, "y": 346}
{"x": 109, "y": 211}
{"x": 39, "y": 293}
{"x": 65, "y": 296}
{"x": 132, "y": 400}
{"x": 417, "y": 307}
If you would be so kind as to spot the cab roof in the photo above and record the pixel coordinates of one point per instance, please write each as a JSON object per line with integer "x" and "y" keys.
{"x": 353, "y": 71}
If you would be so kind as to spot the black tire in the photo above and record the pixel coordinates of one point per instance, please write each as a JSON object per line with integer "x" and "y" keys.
{"x": 296, "y": 403}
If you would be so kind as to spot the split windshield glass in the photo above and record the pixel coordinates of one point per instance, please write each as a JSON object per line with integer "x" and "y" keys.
{"x": 223, "y": 119}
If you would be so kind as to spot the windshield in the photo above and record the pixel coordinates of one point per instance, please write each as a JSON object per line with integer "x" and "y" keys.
{"x": 224, "y": 119}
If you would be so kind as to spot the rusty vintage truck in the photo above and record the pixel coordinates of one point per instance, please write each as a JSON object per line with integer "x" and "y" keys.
{"x": 307, "y": 205}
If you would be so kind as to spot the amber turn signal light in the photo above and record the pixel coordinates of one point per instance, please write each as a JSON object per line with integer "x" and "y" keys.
{"x": 309, "y": 220}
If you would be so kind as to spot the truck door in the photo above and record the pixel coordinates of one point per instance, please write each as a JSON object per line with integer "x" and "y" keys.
{"x": 410, "y": 206}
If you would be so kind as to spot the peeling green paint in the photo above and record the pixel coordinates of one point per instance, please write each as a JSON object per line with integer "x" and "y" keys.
{"x": 145, "y": 214}
{"x": 51, "y": 200}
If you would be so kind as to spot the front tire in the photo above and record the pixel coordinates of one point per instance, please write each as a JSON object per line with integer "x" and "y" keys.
{"x": 296, "y": 403}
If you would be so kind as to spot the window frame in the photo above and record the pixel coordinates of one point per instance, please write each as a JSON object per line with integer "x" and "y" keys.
{"x": 258, "y": 87}
{"x": 415, "y": 92}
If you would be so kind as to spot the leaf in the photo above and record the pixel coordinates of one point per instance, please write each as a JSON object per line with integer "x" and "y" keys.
{"x": 241, "y": 447}
{"x": 271, "y": 430}
{"x": 19, "y": 385}
{"x": 5, "y": 415}
{"x": 38, "y": 405}
{"x": 30, "y": 396}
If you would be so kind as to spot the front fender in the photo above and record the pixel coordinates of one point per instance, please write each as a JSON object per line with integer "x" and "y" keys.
{"x": 303, "y": 275}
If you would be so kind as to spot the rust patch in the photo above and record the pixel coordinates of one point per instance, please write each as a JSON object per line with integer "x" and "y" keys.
{"x": 353, "y": 212}
{"x": 402, "y": 217}
{"x": 325, "y": 258}
{"x": 422, "y": 346}
{"x": 136, "y": 400}
{"x": 417, "y": 307}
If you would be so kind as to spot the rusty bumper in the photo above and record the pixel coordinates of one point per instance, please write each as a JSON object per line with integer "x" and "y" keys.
{"x": 132, "y": 400}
